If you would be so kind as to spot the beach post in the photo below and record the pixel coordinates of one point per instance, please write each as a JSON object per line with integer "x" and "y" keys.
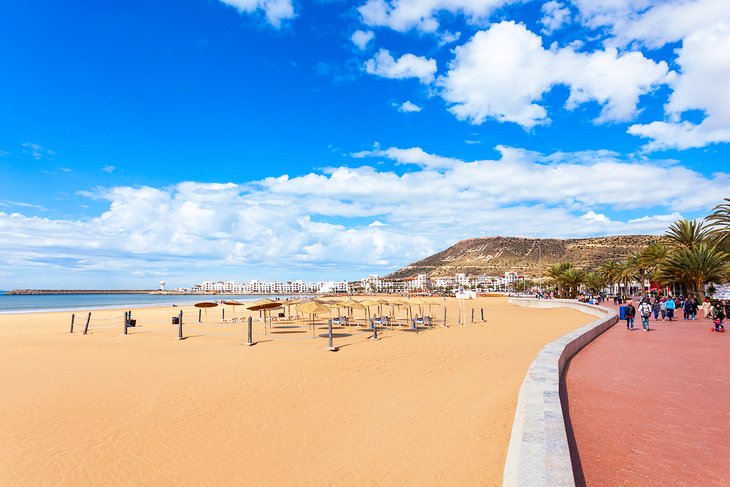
{"x": 223, "y": 314}
{"x": 444, "y": 315}
{"x": 72, "y": 322}
{"x": 126, "y": 321}
{"x": 482, "y": 314}
{"x": 179, "y": 327}
{"x": 472, "y": 315}
{"x": 331, "y": 347}
{"x": 413, "y": 324}
{"x": 88, "y": 319}
{"x": 200, "y": 311}
{"x": 250, "y": 331}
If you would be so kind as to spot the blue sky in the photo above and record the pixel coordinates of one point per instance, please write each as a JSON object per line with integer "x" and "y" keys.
{"x": 216, "y": 139}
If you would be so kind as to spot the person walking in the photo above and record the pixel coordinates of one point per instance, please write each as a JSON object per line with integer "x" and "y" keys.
{"x": 656, "y": 308}
{"x": 706, "y": 305}
{"x": 663, "y": 308}
{"x": 629, "y": 314}
{"x": 670, "y": 308}
{"x": 645, "y": 313}
{"x": 687, "y": 309}
{"x": 695, "y": 307}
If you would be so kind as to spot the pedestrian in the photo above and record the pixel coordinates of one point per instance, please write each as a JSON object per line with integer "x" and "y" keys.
{"x": 687, "y": 309}
{"x": 695, "y": 307}
{"x": 645, "y": 313}
{"x": 663, "y": 308}
{"x": 671, "y": 305}
{"x": 706, "y": 305}
{"x": 718, "y": 315}
{"x": 656, "y": 308}
{"x": 629, "y": 314}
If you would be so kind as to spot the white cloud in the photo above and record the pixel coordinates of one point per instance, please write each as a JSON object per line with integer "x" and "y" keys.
{"x": 353, "y": 221}
{"x": 702, "y": 27}
{"x": 701, "y": 85}
{"x": 276, "y": 11}
{"x": 502, "y": 74}
{"x": 108, "y": 169}
{"x": 554, "y": 16}
{"x": 403, "y": 15}
{"x": 362, "y": 38}
{"x": 37, "y": 151}
{"x": 407, "y": 107}
{"x": 407, "y": 66}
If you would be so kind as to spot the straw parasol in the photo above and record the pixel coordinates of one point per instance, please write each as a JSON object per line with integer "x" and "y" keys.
{"x": 367, "y": 303}
{"x": 264, "y": 306}
{"x": 313, "y": 308}
{"x": 205, "y": 305}
{"x": 232, "y": 303}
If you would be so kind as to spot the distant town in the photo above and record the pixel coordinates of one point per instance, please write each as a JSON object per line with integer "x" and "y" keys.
{"x": 422, "y": 283}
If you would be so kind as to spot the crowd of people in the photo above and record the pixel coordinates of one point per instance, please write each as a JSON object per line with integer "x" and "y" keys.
{"x": 666, "y": 306}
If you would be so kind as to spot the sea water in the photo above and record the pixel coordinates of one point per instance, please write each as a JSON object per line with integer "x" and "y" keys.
{"x": 63, "y": 302}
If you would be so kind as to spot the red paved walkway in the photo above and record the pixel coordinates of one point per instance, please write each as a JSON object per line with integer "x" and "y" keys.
{"x": 652, "y": 408}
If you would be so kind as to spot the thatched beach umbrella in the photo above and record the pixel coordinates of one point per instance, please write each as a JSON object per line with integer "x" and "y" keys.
{"x": 313, "y": 308}
{"x": 205, "y": 305}
{"x": 265, "y": 306}
{"x": 232, "y": 303}
{"x": 367, "y": 303}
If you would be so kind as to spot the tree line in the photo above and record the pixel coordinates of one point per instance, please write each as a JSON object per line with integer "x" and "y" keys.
{"x": 691, "y": 255}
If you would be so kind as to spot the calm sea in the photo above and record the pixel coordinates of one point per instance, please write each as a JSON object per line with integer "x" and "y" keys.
{"x": 53, "y": 302}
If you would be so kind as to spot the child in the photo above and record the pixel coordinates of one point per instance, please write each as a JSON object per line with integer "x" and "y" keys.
{"x": 718, "y": 315}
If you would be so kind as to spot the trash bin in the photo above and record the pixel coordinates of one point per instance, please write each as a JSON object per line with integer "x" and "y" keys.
{"x": 175, "y": 320}
{"x": 622, "y": 312}
{"x": 132, "y": 323}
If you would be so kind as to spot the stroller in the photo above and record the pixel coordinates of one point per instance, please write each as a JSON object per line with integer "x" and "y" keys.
{"x": 718, "y": 317}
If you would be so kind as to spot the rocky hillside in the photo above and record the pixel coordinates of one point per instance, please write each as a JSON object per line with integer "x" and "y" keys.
{"x": 528, "y": 256}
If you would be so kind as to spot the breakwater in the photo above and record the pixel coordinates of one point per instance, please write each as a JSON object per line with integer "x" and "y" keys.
{"x": 35, "y": 292}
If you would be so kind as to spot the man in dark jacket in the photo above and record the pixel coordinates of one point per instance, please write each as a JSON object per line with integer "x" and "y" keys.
{"x": 630, "y": 313}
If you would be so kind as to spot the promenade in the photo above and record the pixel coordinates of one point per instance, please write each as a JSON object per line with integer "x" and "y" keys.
{"x": 651, "y": 408}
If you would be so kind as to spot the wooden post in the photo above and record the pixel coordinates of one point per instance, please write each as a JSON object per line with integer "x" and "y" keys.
{"x": 444, "y": 315}
{"x": 413, "y": 323}
{"x": 88, "y": 319}
{"x": 472, "y": 315}
{"x": 223, "y": 314}
{"x": 126, "y": 321}
{"x": 331, "y": 347}
{"x": 179, "y": 327}
{"x": 73, "y": 316}
{"x": 250, "y": 332}
{"x": 200, "y": 314}
{"x": 482, "y": 314}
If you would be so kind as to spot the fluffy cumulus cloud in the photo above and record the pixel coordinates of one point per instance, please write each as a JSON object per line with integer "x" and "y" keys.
{"x": 403, "y": 15}
{"x": 555, "y": 15}
{"x": 503, "y": 73}
{"x": 355, "y": 220}
{"x": 702, "y": 30}
{"x": 361, "y": 38}
{"x": 406, "y": 66}
{"x": 407, "y": 107}
{"x": 276, "y": 11}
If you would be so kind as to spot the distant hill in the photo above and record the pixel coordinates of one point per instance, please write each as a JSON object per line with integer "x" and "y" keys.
{"x": 528, "y": 256}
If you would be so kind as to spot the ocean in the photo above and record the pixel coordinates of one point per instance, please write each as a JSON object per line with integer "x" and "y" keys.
{"x": 66, "y": 302}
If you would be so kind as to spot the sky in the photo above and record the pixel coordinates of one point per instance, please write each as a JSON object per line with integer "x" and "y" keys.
{"x": 320, "y": 139}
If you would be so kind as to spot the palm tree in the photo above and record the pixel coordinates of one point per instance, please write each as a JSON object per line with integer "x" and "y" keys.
{"x": 650, "y": 257}
{"x": 719, "y": 224}
{"x": 697, "y": 266}
{"x": 595, "y": 281}
{"x": 611, "y": 271}
{"x": 572, "y": 278}
{"x": 687, "y": 233}
{"x": 556, "y": 272}
{"x": 627, "y": 272}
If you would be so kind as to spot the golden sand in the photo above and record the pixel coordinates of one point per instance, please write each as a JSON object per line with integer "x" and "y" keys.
{"x": 433, "y": 408}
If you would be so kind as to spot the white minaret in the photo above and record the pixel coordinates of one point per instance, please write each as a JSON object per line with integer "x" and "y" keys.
{"x": 162, "y": 285}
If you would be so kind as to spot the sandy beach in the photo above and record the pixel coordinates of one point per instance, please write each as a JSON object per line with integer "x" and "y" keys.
{"x": 433, "y": 408}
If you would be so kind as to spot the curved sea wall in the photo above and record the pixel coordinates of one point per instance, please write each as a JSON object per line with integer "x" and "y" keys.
{"x": 538, "y": 451}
